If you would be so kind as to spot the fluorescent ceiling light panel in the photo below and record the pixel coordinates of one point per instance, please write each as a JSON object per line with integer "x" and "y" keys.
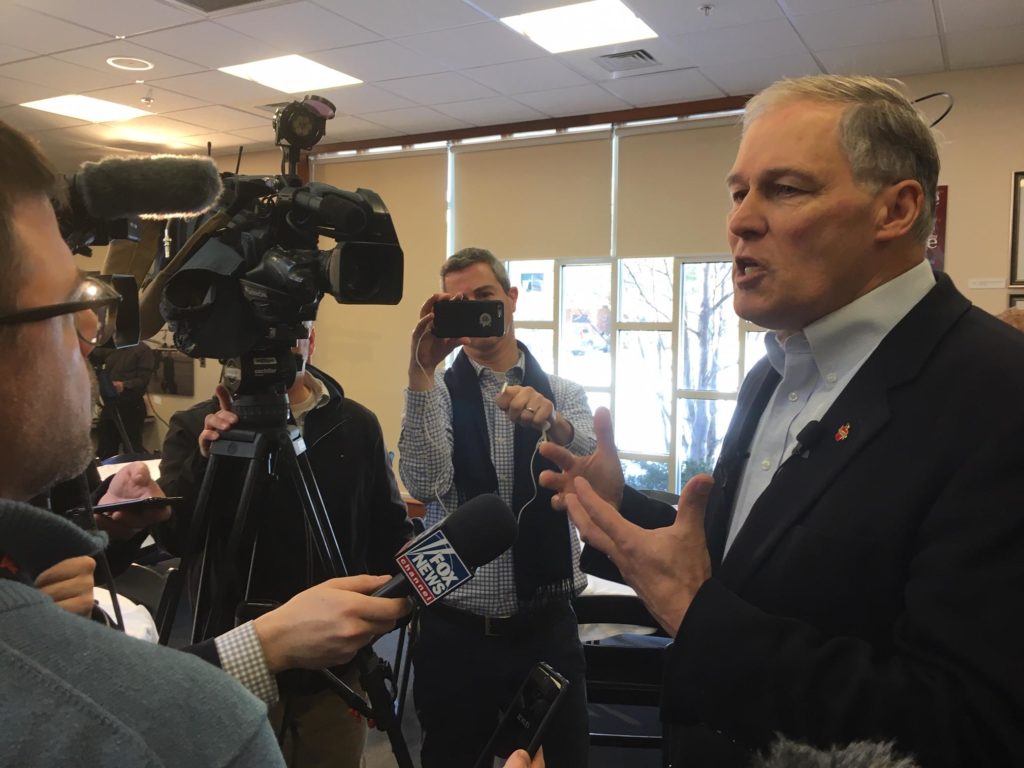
{"x": 291, "y": 74}
{"x": 582, "y": 25}
{"x": 86, "y": 108}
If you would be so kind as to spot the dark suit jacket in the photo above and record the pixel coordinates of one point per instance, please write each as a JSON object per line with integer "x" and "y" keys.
{"x": 876, "y": 590}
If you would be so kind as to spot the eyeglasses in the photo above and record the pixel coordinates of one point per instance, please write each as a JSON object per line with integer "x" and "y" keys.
{"x": 93, "y": 305}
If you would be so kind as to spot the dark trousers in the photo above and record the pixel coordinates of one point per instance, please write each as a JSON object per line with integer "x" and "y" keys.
{"x": 464, "y": 679}
{"x": 133, "y": 416}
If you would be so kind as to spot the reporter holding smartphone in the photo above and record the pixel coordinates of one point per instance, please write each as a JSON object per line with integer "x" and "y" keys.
{"x": 470, "y": 430}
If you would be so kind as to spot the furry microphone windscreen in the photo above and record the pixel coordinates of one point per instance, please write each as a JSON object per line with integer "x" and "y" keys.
{"x": 160, "y": 187}
{"x": 858, "y": 754}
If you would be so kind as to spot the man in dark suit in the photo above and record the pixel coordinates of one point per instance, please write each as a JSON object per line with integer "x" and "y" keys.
{"x": 860, "y": 569}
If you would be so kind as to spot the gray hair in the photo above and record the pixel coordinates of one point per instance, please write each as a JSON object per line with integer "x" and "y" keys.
{"x": 466, "y": 257}
{"x": 885, "y": 138}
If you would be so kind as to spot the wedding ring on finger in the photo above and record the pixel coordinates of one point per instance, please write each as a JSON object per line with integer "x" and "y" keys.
{"x": 531, "y": 410}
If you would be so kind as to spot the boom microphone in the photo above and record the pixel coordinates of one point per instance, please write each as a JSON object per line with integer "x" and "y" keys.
{"x": 446, "y": 555}
{"x": 162, "y": 187}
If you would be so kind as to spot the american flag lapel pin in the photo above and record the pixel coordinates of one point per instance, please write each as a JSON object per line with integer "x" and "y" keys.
{"x": 843, "y": 432}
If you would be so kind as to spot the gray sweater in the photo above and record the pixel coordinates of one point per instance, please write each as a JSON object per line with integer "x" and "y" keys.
{"x": 75, "y": 693}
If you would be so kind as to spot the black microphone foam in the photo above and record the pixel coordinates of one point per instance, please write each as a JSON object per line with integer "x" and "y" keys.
{"x": 476, "y": 533}
{"x": 160, "y": 186}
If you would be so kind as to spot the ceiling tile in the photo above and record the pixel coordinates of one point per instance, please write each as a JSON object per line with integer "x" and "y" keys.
{"x": 670, "y": 17}
{"x": 501, "y": 8}
{"x": 738, "y": 78}
{"x": 578, "y": 100}
{"x": 64, "y": 77}
{"x": 383, "y": 60}
{"x": 222, "y": 142}
{"x": 983, "y": 47}
{"x": 663, "y": 88}
{"x": 905, "y": 57}
{"x": 160, "y": 124}
{"x": 18, "y": 91}
{"x": 796, "y": 7}
{"x": 13, "y": 53}
{"x": 348, "y": 128}
{"x": 357, "y": 99}
{"x": 207, "y": 43}
{"x": 23, "y": 28}
{"x": 492, "y": 111}
{"x": 297, "y": 27}
{"x": 748, "y": 42}
{"x": 223, "y": 88}
{"x": 396, "y": 18}
{"x": 163, "y": 100}
{"x": 523, "y": 76}
{"x": 475, "y": 46}
{"x": 25, "y": 119}
{"x": 867, "y": 24}
{"x": 958, "y": 16}
{"x": 116, "y": 17}
{"x": 218, "y": 118}
{"x": 415, "y": 120}
{"x": 437, "y": 89}
{"x": 95, "y": 57}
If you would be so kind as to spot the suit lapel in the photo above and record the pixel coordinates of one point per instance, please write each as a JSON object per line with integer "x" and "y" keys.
{"x": 852, "y": 422}
{"x": 753, "y": 398}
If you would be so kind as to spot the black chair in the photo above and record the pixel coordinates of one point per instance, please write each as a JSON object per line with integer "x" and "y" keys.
{"x": 625, "y": 669}
{"x": 151, "y": 586}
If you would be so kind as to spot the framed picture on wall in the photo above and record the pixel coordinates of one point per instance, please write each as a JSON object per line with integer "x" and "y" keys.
{"x": 1017, "y": 239}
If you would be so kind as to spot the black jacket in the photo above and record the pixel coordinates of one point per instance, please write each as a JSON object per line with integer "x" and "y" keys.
{"x": 350, "y": 463}
{"x": 875, "y": 590}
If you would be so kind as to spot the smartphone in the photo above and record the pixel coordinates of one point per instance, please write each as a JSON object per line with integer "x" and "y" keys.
{"x": 454, "y": 319}
{"x": 137, "y": 505}
{"x": 528, "y": 715}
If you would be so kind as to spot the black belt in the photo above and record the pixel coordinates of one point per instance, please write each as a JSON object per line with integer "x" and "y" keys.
{"x": 497, "y": 626}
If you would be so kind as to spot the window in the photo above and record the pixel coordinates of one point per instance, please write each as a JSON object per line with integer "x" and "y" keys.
{"x": 655, "y": 340}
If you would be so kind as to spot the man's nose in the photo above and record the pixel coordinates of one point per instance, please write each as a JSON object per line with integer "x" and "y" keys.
{"x": 746, "y": 219}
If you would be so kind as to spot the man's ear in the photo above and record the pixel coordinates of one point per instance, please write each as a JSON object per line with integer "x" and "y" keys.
{"x": 513, "y": 294}
{"x": 899, "y": 206}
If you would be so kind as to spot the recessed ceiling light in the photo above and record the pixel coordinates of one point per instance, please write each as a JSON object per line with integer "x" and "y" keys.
{"x": 291, "y": 74}
{"x": 130, "y": 63}
{"x": 86, "y": 108}
{"x": 582, "y": 25}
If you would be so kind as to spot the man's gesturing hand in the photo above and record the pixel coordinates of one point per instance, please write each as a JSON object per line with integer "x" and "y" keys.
{"x": 325, "y": 625}
{"x": 666, "y": 566}
{"x": 602, "y": 468}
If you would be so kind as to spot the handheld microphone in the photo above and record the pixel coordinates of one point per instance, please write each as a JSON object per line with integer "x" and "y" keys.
{"x": 162, "y": 187}
{"x": 446, "y": 555}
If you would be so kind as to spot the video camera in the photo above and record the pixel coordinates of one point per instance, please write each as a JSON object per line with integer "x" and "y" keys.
{"x": 253, "y": 274}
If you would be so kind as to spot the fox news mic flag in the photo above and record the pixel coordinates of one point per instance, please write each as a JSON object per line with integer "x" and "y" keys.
{"x": 446, "y": 555}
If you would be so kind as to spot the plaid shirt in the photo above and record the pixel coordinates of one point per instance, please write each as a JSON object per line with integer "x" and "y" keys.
{"x": 426, "y": 445}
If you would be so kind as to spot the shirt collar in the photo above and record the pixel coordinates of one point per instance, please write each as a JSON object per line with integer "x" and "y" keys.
{"x": 841, "y": 340}
{"x": 318, "y": 395}
{"x": 518, "y": 370}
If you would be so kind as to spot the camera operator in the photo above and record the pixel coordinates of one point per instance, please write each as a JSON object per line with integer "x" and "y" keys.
{"x": 346, "y": 449}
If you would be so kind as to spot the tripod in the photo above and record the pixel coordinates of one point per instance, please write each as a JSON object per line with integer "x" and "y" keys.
{"x": 270, "y": 447}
